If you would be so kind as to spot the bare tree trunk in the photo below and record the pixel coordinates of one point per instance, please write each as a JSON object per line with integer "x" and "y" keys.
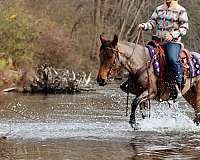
{"x": 134, "y": 20}
{"x": 126, "y": 18}
{"x": 105, "y": 9}
{"x": 116, "y": 10}
{"x": 96, "y": 28}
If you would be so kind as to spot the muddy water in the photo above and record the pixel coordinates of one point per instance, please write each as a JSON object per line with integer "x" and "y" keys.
{"x": 93, "y": 126}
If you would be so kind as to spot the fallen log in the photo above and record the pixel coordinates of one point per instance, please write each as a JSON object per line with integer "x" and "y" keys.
{"x": 54, "y": 81}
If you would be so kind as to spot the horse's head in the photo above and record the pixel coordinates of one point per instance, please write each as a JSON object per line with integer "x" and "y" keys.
{"x": 108, "y": 55}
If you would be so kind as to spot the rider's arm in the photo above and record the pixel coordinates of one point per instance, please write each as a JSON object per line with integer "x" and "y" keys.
{"x": 151, "y": 23}
{"x": 183, "y": 25}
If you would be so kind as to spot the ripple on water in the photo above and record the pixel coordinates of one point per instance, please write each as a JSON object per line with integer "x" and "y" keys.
{"x": 65, "y": 130}
{"x": 97, "y": 122}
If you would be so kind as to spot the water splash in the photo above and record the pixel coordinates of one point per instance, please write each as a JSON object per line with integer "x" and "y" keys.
{"x": 168, "y": 119}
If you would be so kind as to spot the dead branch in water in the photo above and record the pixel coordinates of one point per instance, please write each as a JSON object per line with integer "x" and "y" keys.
{"x": 51, "y": 80}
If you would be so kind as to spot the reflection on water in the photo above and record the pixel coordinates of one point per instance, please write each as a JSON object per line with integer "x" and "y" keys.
{"x": 93, "y": 126}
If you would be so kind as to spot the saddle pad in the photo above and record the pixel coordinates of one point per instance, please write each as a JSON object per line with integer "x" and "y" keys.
{"x": 194, "y": 63}
{"x": 154, "y": 57}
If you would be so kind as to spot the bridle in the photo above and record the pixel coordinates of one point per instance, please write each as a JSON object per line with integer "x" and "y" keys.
{"x": 116, "y": 57}
{"x": 138, "y": 71}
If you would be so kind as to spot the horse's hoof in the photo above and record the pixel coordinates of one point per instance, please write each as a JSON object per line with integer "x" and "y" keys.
{"x": 143, "y": 116}
{"x": 131, "y": 123}
{"x": 134, "y": 125}
{"x": 196, "y": 122}
{"x": 197, "y": 119}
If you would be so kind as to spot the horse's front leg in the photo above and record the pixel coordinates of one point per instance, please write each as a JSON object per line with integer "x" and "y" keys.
{"x": 134, "y": 105}
{"x": 137, "y": 101}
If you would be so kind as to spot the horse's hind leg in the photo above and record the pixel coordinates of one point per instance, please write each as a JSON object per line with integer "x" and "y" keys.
{"x": 193, "y": 98}
{"x": 143, "y": 107}
{"x": 197, "y": 106}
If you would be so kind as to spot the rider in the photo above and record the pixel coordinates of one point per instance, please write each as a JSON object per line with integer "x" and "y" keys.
{"x": 171, "y": 23}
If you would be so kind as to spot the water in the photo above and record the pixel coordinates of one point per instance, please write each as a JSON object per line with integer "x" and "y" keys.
{"x": 93, "y": 125}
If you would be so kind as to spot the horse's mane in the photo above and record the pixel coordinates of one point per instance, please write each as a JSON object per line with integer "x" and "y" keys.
{"x": 129, "y": 47}
{"x": 130, "y": 44}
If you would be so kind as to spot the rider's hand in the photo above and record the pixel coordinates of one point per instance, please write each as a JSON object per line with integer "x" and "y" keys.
{"x": 141, "y": 26}
{"x": 168, "y": 37}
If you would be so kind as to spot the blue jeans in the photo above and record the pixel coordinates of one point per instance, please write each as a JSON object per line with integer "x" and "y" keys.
{"x": 172, "y": 51}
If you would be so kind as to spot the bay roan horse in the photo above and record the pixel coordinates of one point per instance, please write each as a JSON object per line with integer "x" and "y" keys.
{"x": 146, "y": 85}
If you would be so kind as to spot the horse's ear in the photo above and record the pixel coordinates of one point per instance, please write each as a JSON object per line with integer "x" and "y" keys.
{"x": 114, "y": 41}
{"x": 102, "y": 39}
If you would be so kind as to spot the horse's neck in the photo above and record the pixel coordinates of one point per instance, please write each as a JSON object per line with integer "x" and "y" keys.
{"x": 132, "y": 56}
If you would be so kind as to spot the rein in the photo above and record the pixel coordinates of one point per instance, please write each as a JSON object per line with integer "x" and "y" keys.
{"x": 129, "y": 79}
{"x": 137, "y": 40}
{"x": 148, "y": 76}
{"x": 116, "y": 51}
{"x": 139, "y": 71}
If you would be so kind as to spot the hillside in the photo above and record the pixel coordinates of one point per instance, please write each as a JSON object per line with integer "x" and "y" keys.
{"x": 65, "y": 33}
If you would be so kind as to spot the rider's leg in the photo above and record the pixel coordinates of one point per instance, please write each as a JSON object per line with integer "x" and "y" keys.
{"x": 172, "y": 51}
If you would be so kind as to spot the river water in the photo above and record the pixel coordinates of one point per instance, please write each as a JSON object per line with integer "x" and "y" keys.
{"x": 93, "y": 126}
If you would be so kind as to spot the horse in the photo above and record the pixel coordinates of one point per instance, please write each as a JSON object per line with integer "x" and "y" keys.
{"x": 145, "y": 85}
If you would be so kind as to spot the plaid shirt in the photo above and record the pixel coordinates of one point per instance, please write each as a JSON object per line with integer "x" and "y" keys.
{"x": 172, "y": 19}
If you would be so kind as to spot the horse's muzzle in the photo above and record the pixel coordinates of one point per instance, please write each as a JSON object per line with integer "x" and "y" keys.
{"x": 101, "y": 82}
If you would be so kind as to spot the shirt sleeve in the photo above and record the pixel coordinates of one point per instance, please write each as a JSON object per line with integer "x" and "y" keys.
{"x": 183, "y": 25}
{"x": 151, "y": 23}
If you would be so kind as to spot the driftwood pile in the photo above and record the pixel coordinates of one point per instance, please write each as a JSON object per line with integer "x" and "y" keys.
{"x": 51, "y": 80}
